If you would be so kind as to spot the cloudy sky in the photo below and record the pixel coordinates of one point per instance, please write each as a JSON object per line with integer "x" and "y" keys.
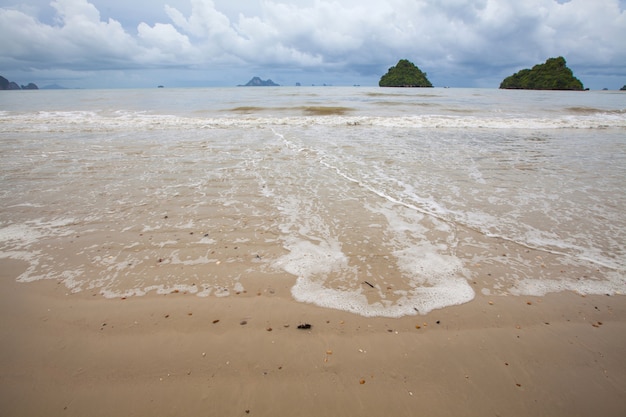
{"x": 184, "y": 43}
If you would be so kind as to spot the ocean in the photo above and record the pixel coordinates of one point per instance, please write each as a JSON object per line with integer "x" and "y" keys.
{"x": 378, "y": 201}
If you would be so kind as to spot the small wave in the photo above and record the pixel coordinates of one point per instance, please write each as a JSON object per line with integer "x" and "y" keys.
{"x": 376, "y": 94}
{"x": 592, "y": 110}
{"x": 247, "y": 109}
{"x": 307, "y": 110}
{"x": 251, "y": 117}
{"x": 326, "y": 110}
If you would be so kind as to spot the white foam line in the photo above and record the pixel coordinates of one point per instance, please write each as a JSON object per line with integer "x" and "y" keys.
{"x": 577, "y": 257}
{"x": 81, "y": 121}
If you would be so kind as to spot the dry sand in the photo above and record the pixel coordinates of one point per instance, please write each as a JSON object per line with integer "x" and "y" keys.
{"x": 82, "y": 355}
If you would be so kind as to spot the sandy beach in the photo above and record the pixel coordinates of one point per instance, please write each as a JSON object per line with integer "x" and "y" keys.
{"x": 164, "y": 355}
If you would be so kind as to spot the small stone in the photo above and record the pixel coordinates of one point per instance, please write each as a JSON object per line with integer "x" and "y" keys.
{"x": 243, "y": 322}
{"x": 216, "y": 321}
{"x": 362, "y": 381}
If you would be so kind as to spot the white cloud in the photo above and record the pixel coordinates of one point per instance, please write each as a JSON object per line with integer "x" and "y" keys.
{"x": 446, "y": 38}
{"x": 166, "y": 42}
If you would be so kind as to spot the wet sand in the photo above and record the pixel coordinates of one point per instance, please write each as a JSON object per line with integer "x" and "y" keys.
{"x": 80, "y": 354}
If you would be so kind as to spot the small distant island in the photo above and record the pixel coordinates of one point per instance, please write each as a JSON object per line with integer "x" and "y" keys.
{"x": 404, "y": 74}
{"x": 552, "y": 75}
{"x": 258, "y": 82}
{"x": 10, "y": 85}
{"x": 623, "y": 88}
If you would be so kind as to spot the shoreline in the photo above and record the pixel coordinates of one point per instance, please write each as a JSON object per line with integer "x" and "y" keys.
{"x": 179, "y": 354}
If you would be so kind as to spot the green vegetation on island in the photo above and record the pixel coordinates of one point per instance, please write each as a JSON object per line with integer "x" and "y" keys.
{"x": 552, "y": 75}
{"x": 258, "y": 82}
{"x": 404, "y": 74}
{"x": 623, "y": 88}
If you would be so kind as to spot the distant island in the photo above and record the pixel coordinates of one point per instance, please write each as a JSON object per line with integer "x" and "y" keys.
{"x": 258, "y": 82}
{"x": 623, "y": 88}
{"x": 54, "y": 87}
{"x": 404, "y": 74}
{"x": 10, "y": 85}
{"x": 552, "y": 75}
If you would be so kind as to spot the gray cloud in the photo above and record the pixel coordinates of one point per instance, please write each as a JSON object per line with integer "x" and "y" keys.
{"x": 204, "y": 42}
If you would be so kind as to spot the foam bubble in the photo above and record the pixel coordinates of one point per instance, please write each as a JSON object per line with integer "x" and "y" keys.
{"x": 434, "y": 280}
{"x": 306, "y": 258}
{"x": 541, "y": 287}
{"x": 421, "y": 300}
{"x": 71, "y": 121}
{"x": 19, "y": 234}
{"x": 426, "y": 264}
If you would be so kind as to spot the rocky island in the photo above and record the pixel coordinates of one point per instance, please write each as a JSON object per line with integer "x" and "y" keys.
{"x": 404, "y": 74}
{"x": 552, "y": 75}
{"x": 10, "y": 85}
{"x": 258, "y": 82}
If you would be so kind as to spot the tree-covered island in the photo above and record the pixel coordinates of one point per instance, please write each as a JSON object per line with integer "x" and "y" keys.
{"x": 404, "y": 74}
{"x": 552, "y": 75}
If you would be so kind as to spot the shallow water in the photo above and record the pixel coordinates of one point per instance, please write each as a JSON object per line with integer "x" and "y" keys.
{"x": 378, "y": 201}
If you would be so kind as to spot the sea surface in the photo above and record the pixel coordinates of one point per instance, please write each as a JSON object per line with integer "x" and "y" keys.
{"x": 377, "y": 201}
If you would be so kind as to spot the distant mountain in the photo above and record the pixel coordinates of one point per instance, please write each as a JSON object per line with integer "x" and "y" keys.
{"x": 258, "y": 82}
{"x": 404, "y": 74}
{"x": 54, "y": 87}
{"x": 552, "y": 75}
{"x": 10, "y": 85}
